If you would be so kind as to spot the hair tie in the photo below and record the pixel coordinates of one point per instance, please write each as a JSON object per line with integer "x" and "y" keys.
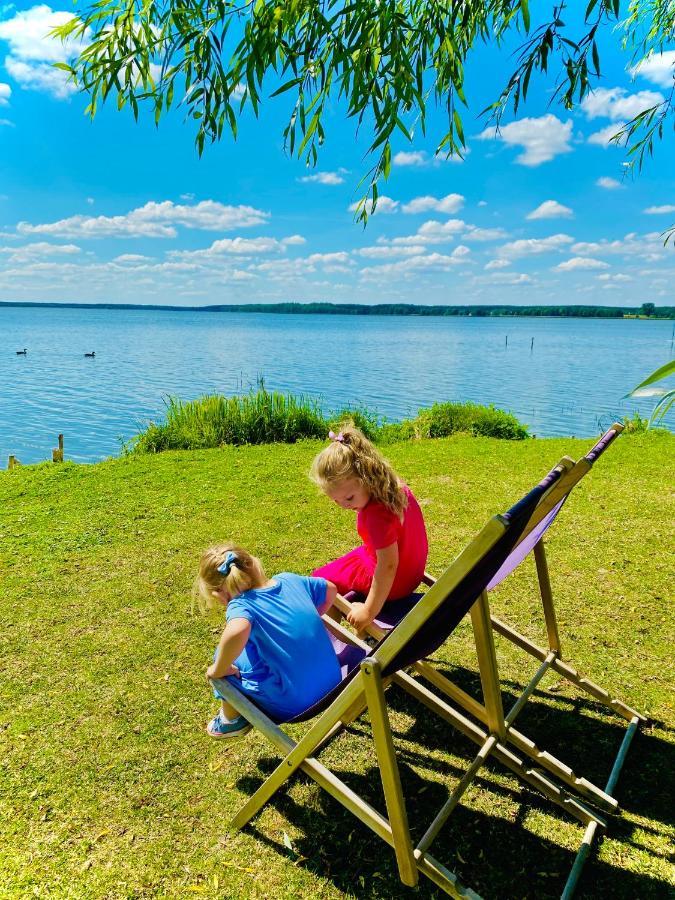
{"x": 230, "y": 560}
{"x": 338, "y": 438}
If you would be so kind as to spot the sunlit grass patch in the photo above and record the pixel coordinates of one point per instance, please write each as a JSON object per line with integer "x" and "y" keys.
{"x": 109, "y": 786}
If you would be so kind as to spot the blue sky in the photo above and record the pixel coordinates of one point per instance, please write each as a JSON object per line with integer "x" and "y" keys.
{"x": 114, "y": 211}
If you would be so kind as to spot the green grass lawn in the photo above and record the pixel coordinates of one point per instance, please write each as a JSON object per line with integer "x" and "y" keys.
{"x": 109, "y": 786}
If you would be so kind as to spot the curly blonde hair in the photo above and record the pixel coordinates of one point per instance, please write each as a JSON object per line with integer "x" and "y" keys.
{"x": 245, "y": 573}
{"x": 351, "y": 455}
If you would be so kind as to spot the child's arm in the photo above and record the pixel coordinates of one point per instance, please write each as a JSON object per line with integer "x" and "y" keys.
{"x": 362, "y": 614}
{"x": 232, "y": 642}
{"x": 331, "y": 594}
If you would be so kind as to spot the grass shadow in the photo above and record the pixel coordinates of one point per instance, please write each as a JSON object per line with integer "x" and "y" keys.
{"x": 495, "y": 854}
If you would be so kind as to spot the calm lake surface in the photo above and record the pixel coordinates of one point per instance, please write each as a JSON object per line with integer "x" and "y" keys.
{"x": 570, "y": 382}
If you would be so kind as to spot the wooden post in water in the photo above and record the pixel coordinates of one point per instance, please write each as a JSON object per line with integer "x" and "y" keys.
{"x": 531, "y": 345}
{"x": 57, "y": 452}
{"x": 506, "y": 342}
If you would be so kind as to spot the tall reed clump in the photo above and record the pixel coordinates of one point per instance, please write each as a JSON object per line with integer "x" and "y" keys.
{"x": 260, "y": 417}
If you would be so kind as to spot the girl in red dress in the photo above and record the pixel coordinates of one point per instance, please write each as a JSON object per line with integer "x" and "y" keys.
{"x": 390, "y": 562}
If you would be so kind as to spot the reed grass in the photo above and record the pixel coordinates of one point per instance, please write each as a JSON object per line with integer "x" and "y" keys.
{"x": 265, "y": 417}
{"x": 260, "y": 417}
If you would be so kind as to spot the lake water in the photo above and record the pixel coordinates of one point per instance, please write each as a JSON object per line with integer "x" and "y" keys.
{"x": 570, "y": 382}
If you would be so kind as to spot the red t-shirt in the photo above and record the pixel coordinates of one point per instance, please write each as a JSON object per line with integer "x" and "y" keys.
{"x": 378, "y": 527}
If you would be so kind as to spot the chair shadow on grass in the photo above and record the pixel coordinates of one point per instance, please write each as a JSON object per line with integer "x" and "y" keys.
{"x": 495, "y": 855}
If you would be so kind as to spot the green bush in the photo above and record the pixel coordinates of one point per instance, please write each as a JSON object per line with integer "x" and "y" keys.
{"x": 443, "y": 419}
{"x": 261, "y": 417}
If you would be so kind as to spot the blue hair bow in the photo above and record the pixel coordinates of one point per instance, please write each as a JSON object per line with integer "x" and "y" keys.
{"x": 230, "y": 560}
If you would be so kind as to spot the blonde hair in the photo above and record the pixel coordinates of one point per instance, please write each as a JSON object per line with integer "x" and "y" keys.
{"x": 245, "y": 573}
{"x": 351, "y": 455}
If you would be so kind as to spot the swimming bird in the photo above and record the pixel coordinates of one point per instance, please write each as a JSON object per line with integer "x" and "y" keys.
{"x": 23, "y": 352}
{"x": 92, "y": 354}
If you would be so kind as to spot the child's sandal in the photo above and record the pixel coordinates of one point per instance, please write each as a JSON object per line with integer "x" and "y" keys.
{"x": 220, "y": 727}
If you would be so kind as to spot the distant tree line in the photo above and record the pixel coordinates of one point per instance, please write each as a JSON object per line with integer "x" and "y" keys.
{"x": 648, "y": 310}
{"x": 410, "y": 309}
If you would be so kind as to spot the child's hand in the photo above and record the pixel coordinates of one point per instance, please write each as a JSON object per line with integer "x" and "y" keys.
{"x": 212, "y": 672}
{"x": 359, "y": 616}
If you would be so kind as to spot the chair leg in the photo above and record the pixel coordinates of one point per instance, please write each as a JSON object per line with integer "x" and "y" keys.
{"x": 589, "y": 834}
{"x": 547, "y": 598}
{"x": 487, "y": 665}
{"x": 391, "y": 779}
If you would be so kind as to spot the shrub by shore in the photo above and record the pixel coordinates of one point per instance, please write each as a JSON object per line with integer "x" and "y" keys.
{"x": 264, "y": 417}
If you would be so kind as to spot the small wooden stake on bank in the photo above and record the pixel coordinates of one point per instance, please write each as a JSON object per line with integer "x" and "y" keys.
{"x": 57, "y": 452}
{"x": 13, "y": 462}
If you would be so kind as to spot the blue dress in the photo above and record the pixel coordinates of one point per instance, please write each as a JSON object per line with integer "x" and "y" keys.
{"x": 288, "y": 663}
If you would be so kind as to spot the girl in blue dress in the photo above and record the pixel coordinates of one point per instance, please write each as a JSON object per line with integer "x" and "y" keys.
{"x": 274, "y": 647}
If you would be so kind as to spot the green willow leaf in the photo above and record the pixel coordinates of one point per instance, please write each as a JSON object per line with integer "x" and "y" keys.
{"x": 661, "y": 373}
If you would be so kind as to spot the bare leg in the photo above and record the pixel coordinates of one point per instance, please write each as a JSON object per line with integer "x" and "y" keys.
{"x": 228, "y": 710}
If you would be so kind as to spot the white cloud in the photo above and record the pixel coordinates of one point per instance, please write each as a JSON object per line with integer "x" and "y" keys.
{"x": 534, "y": 246}
{"x": 415, "y": 264}
{"x": 411, "y": 158}
{"x": 603, "y": 137}
{"x": 38, "y": 250}
{"x": 581, "y": 262}
{"x": 433, "y": 232}
{"x": 609, "y": 184}
{"x": 504, "y": 278}
{"x": 294, "y": 240}
{"x": 659, "y": 210}
{"x": 648, "y": 246}
{"x": 153, "y": 220}
{"x": 90, "y": 201}
{"x": 384, "y": 205}
{"x": 550, "y": 209}
{"x": 451, "y": 203}
{"x": 131, "y": 258}
{"x": 421, "y": 159}
{"x": 188, "y": 196}
{"x": 32, "y": 51}
{"x": 324, "y": 178}
{"x": 617, "y": 104}
{"x": 5, "y": 94}
{"x": 659, "y": 68}
{"x": 7, "y": 123}
{"x": 497, "y": 264}
{"x": 40, "y": 77}
{"x": 474, "y": 233}
{"x": 618, "y": 277}
{"x": 387, "y": 251}
{"x": 541, "y": 139}
{"x": 232, "y": 247}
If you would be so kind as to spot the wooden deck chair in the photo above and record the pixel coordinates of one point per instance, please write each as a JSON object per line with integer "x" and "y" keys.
{"x": 531, "y": 541}
{"x": 426, "y": 627}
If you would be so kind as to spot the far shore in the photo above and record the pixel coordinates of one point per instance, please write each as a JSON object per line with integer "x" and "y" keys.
{"x": 386, "y": 309}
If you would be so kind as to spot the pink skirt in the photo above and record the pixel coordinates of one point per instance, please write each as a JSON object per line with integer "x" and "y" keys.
{"x": 352, "y": 572}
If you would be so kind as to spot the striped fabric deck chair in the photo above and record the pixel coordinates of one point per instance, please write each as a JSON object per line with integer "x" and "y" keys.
{"x": 461, "y": 588}
{"x": 530, "y": 541}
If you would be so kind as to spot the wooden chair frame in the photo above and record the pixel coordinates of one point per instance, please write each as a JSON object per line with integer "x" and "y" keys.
{"x": 490, "y": 713}
{"x": 366, "y": 692}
